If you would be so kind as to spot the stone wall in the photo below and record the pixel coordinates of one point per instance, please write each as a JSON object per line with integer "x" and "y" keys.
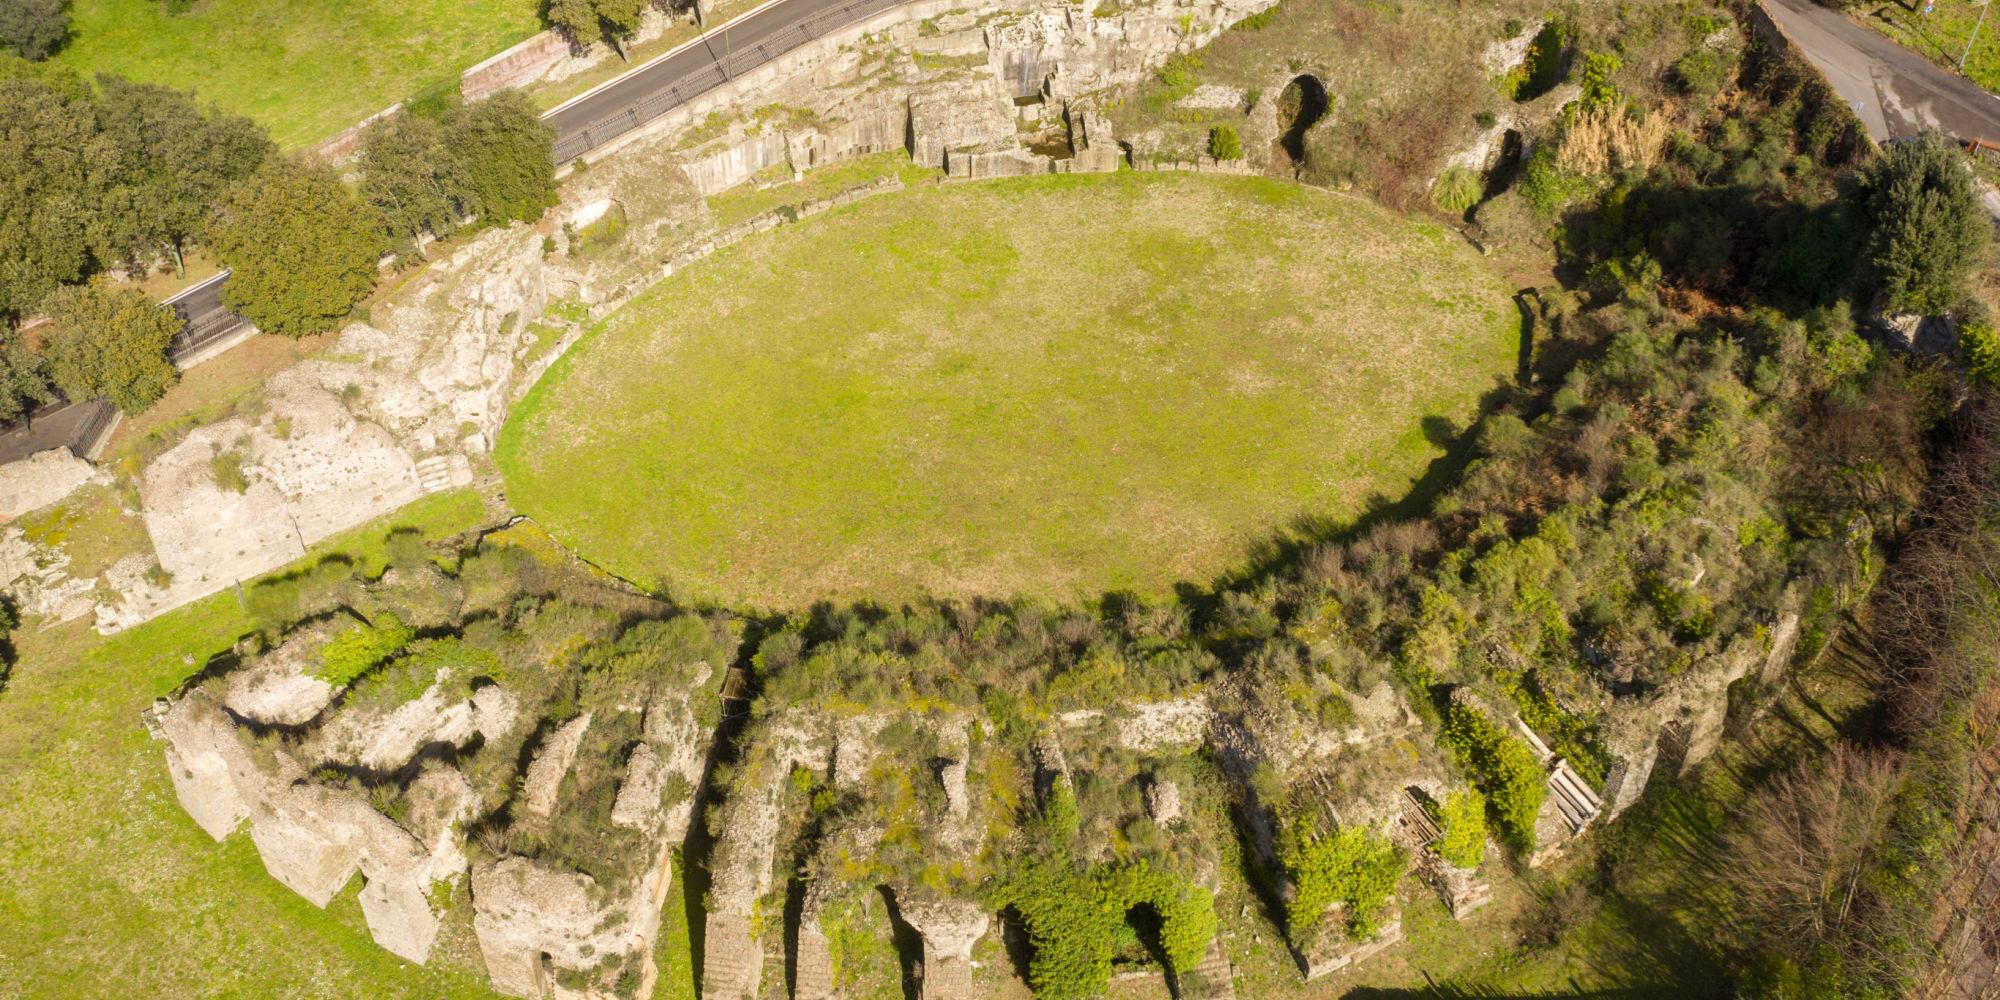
{"x": 549, "y": 57}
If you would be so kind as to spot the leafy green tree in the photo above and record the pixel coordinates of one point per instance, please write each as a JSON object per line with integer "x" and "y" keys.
{"x": 24, "y": 380}
{"x": 302, "y": 250}
{"x": 590, "y": 21}
{"x": 173, "y": 163}
{"x": 53, "y": 164}
{"x": 110, "y": 342}
{"x": 509, "y": 157}
{"x": 32, "y": 29}
{"x": 413, "y": 178}
{"x": 1928, "y": 229}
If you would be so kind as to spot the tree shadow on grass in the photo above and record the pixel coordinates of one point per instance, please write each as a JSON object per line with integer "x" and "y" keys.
{"x": 1279, "y": 555}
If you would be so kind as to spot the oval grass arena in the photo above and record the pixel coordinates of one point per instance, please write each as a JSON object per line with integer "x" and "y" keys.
{"x": 1055, "y": 386}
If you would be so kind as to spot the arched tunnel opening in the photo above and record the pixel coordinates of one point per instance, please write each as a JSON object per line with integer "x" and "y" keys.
{"x": 1301, "y": 105}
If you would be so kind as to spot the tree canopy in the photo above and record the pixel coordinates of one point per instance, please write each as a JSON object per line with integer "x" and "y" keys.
{"x": 425, "y": 171}
{"x": 32, "y": 29}
{"x": 110, "y": 342}
{"x": 172, "y": 163}
{"x": 1929, "y": 230}
{"x": 301, "y": 248}
{"x": 53, "y": 164}
{"x": 591, "y": 21}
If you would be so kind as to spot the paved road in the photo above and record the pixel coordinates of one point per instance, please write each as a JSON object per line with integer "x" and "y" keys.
{"x": 1896, "y": 92}
{"x": 724, "y": 54}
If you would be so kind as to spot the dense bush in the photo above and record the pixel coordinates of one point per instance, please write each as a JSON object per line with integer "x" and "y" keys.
{"x": 1224, "y": 143}
{"x": 1463, "y": 817}
{"x": 1456, "y": 191}
{"x": 361, "y": 648}
{"x": 1504, "y": 767}
{"x": 1072, "y": 915}
{"x": 1351, "y": 865}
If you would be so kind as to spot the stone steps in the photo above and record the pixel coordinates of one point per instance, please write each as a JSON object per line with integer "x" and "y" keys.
{"x": 732, "y": 962}
{"x": 812, "y": 968}
{"x": 1212, "y": 979}
{"x": 948, "y": 979}
{"x": 434, "y": 474}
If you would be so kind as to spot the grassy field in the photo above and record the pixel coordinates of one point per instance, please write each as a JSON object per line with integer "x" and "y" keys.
{"x": 107, "y": 889}
{"x": 1060, "y": 385}
{"x": 306, "y": 69}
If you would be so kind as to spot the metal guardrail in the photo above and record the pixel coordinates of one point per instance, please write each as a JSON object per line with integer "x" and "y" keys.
{"x": 202, "y": 332}
{"x": 721, "y": 71}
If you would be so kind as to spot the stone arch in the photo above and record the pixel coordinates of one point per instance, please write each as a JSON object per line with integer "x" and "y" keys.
{"x": 1301, "y": 105}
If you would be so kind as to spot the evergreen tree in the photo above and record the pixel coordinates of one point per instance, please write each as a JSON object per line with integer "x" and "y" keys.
{"x": 110, "y": 342}
{"x": 509, "y": 156}
{"x": 173, "y": 163}
{"x": 590, "y": 21}
{"x": 301, "y": 248}
{"x": 413, "y": 177}
{"x": 32, "y": 29}
{"x": 24, "y": 380}
{"x": 52, "y": 167}
{"x": 1929, "y": 230}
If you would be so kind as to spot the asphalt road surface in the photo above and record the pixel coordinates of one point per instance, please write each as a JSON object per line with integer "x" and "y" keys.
{"x": 1896, "y": 92}
{"x": 741, "y": 45}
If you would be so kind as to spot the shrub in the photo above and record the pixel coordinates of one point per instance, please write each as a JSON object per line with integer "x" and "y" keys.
{"x": 226, "y": 468}
{"x": 1456, "y": 191}
{"x": 1928, "y": 230}
{"x": 1503, "y": 767}
{"x": 1981, "y": 343}
{"x": 1463, "y": 817}
{"x": 362, "y": 648}
{"x": 1544, "y": 185}
{"x": 1224, "y": 144}
{"x": 1352, "y": 865}
{"x": 1701, "y": 72}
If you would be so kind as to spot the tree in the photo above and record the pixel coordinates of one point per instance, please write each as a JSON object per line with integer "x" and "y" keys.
{"x": 24, "y": 380}
{"x": 425, "y": 171}
{"x": 33, "y": 28}
{"x": 302, "y": 250}
{"x": 509, "y": 153}
{"x": 53, "y": 164}
{"x": 590, "y": 21}
{"x": 413, "y": 178}
{"x": 173, "y": 163}
{"x": 110, "y": 342}
{"x": 1928, "y": 229}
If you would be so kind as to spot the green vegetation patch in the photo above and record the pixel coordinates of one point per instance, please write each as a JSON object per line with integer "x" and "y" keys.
{"x": 1049, "y": 385}
{"x": 305, "y": 69}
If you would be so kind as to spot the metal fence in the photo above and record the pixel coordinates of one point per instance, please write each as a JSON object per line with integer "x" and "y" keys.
{"x": 200, "y": 333}
{"x": 732, "y": 65}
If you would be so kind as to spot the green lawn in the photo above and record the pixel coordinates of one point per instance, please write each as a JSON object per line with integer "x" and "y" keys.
{"x": 306, "y": 69}
{"x": 1059, "y": 385}
{"x": 107, "y": 889}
